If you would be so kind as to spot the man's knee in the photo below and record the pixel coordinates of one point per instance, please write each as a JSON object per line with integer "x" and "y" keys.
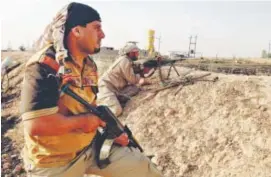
{"x": 116, "y": 109}
{"x": 111, "y": 102}
{"x": 132, "y": 163}
{"x": 143, "y": 166}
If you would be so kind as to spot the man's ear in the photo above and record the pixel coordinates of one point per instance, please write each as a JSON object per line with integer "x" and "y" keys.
{"x": 76, "y": 31}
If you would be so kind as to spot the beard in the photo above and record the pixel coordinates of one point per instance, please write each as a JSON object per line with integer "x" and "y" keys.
{"x": 91, "y": 51}
{"x": 90, "y": 48}
{"x": 134, "y": 58}
{"x": 96, "y": 50}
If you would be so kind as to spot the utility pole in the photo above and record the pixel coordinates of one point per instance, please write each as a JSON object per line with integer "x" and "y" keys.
{"x": 192, "y": 44}
{"x": 159, "y": 41}
{"x": 269, "y": 49}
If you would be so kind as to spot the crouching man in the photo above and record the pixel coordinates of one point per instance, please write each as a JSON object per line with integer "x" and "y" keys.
{"x": 119, "y": 82}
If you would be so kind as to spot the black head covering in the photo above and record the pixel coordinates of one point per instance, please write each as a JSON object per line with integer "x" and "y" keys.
{"x": 79, "y": 15}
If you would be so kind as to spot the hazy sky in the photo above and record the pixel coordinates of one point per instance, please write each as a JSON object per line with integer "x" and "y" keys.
{"x": 229, "y": 28}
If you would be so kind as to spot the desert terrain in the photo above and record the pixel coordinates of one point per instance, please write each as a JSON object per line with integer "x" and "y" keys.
{"x": 206, "y": 128}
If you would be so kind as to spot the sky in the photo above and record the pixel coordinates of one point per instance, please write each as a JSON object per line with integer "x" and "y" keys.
{"x": 225, "y": 29}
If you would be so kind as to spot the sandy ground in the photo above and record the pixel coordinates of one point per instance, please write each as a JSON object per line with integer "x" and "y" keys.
{"x": 208, "y": 129}
{"x": 213, "y": 129}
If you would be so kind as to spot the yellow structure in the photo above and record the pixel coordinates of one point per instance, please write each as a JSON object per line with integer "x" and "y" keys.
{"x": 151, "y": 50}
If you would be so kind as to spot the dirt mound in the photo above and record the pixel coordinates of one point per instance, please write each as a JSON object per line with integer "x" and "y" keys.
{"x": 244, "y": 69}
{"x": 207, "y": 129}
{"x": 231, "y": 66}
{"x": 11, "y": 126}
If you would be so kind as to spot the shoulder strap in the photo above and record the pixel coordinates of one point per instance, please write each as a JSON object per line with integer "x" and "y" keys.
{"x": 45, "y": 56}
{"x": 48, "y": 58}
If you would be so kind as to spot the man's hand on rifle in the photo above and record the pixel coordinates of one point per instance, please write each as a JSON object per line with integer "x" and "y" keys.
{"x": 92, "y": 122}
{"x": 143, "y": 81}
{"x": 122, "y": 140}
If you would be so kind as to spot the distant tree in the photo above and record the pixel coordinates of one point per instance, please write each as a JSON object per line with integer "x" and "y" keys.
{"x": 264, "y": 54}
{"x": 269, "y": 55}
{"x": 22, "y": 48}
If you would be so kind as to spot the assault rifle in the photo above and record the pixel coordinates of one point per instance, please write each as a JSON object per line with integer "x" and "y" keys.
{"x": 105, "y": 136}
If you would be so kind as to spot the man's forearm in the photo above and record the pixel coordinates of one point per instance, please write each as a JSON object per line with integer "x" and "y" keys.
{"x": 133, "y": 78}
{"x": 53, "y": 125}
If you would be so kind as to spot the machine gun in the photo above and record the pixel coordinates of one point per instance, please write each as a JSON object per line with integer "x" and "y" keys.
{"x": 105, "y": 136}
{"x": 148, "y": 67}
